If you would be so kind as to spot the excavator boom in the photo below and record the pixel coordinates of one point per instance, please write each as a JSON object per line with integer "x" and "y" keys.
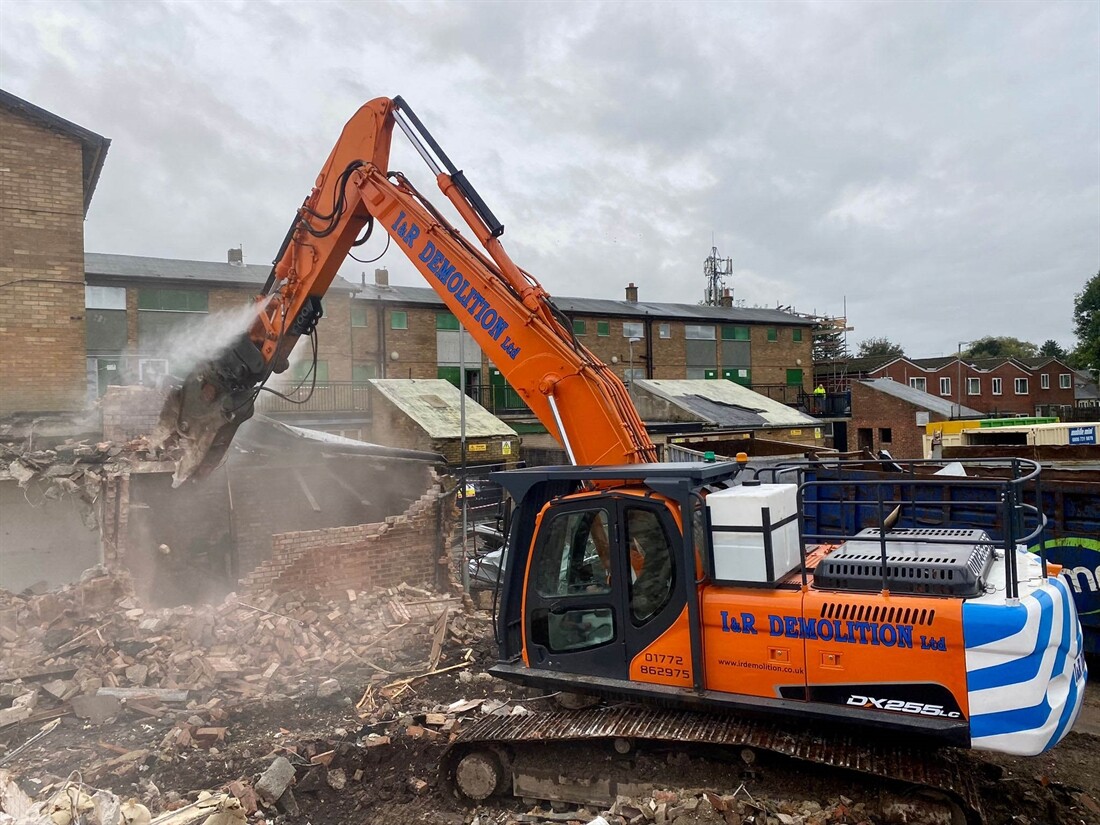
{"x": 508, "y": 313}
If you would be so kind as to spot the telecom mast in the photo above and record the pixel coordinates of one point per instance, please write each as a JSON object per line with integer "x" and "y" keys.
{"x": 715, "y": 270}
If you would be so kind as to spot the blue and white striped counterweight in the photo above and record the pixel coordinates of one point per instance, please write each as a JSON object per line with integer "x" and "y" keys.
{"x": 1025, "y": 662}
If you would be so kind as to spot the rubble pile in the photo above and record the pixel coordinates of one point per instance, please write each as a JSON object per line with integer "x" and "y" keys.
{"x": 70, "y": 466}
{"x": 91, "y": 649}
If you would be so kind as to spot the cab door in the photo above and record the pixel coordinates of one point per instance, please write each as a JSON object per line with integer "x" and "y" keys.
{"x": 573, "y": 619}
{"x": 605, "y": 588}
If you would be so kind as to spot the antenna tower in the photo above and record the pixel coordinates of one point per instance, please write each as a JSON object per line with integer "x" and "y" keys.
{"x": 715, "y": 270}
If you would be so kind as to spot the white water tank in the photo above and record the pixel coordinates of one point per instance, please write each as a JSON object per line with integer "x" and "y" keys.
{"x": 737, "y": 536}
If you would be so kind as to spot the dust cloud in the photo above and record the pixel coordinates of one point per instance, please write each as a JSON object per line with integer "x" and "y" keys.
{"x": 203, "y": 339}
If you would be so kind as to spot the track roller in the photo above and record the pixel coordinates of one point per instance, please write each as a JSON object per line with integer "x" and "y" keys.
{"x": 478, "y": 775}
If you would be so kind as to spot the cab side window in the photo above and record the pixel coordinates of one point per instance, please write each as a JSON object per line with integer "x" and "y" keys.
{"x": 651, "y": 567}
{"x": 574, "y": 558}
{"x": 574, "y": 565}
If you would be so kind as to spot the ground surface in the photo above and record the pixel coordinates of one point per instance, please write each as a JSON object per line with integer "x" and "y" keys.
{"x": 391, "y": 777}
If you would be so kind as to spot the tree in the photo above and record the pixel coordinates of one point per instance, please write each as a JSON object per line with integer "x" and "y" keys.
{"x": 879, "y": 346}
{"x": 828, "y": 341}
{"x": 1001, "y": 346}
{"x": 1052, "y": 349}
{"x": 1086, "y": 323}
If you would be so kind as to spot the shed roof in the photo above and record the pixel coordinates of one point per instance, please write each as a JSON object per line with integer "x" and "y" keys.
{"x": 918, "y": 398}
{"x": 93, "y": 147}
{"x": 726, "y": 404}
{"x": 599, "y": 306}
{"x": 435, "y": 405}
{"x": 174, "y": 270}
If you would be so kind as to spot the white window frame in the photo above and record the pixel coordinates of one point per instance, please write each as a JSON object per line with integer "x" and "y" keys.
{"x": 699, "y": 332}
{"x": 945, "y": 385}
{"x": 997, "y": 386}
{"x": 664, "y": 331}
{"x": 973, "y": 386}
{"x": 104, "y": 297}
{"x": 1044, "y": 381}
{"x": 1018, "y": 384}
{"x": 919, "y": 384}
{"x": 1065, "y": 381}
{"x": 633, "y": 329}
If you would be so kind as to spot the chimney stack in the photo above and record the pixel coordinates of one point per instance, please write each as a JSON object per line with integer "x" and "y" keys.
{"x": 236, "y": 256}
{"x": 382, "y": 277}
{"x": 631, "y": 293}
{"x": 727, "y": 298}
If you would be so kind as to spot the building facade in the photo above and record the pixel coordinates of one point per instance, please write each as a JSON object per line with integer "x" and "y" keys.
{"x": 150, "y": 316}
{"x": 407, "y": 332}
{"x": 48, "y": 171}
{"x": 892, "y": 416}
{"x": 993, "y": 386}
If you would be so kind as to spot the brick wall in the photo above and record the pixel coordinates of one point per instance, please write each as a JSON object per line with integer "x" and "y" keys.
{"x": 403, "y": 548}
{"x": 772, "y": 359}
{"x": 42, "y": 365}
{"x": 876, "y": 411}
{"x": 130, "y": 412}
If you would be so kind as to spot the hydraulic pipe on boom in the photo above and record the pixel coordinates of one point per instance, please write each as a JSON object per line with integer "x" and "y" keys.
{"x": 512, "y": 318}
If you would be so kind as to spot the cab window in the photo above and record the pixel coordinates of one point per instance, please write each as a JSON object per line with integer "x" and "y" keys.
{"x": 651, "y": 567}
{"x": 574, "y": 562}
{"x": 574, "y": 557}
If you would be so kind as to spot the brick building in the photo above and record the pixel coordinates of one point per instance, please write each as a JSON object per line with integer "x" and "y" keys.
{"x": 993, "y": 386}
{"x": 48, "y": 171}
{"x": 141, "y": 313}
{"x": 406, "y": 332}
{"x": 889, "y": 415}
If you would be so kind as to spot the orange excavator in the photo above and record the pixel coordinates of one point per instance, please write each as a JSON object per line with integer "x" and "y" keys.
{"x": 695, "y": 589}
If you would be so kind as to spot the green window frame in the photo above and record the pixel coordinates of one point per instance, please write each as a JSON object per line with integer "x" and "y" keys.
{"x": 773, "y": 334}
{"x": 735, "y": 333}
{"x": 445, "y": 320}
{"x": 579, "y": 327}
{"x": 299, "y": 372}
{"x": 796, "y": 335}
{"x": 358, "y": 314}
{"x": 173, "y": 300}
{"x": 794, "y": 378}
{"x": 603, "y": 328}
{"x": 399, "y": 319}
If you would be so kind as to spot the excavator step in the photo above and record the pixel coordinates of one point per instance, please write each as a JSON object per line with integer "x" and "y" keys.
{"x": 944, "y": 770}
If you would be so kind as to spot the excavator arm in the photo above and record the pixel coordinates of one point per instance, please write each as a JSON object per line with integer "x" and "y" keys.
{"x": 508, "y": 313}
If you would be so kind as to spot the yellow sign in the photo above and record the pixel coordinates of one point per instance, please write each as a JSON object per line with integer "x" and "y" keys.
{"x": 477, "y": 448}
{"x": 506, "y": 448}
{"x": 796, "y": 432}
{"x": 817, "y": 432}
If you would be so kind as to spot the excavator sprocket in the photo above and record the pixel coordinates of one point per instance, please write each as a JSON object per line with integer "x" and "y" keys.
{"x": 488, "y": 756}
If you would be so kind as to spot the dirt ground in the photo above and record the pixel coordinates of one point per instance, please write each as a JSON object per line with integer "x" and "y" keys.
{"x": 365, "y": 755}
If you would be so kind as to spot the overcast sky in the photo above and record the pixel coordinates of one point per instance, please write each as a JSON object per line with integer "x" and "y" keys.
{"x": 937, "y": 164}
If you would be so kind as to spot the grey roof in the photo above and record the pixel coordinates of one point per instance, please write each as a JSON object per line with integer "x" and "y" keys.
{"x": 93, "y": 147}
{"x": 926, "y": 401}
{"x": 137, "y": 267}
{"x": 599, "y": 306}
{"x": 1085, "y": 387}
{"x": 434, "y": 404}
{"x": 725, "y": 404}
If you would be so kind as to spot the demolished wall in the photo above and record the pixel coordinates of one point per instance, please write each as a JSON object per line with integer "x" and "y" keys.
{"x": 403, "y": 548}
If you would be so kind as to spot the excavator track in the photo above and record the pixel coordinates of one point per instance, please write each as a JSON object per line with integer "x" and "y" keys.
{"x": 487, "y": 757}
